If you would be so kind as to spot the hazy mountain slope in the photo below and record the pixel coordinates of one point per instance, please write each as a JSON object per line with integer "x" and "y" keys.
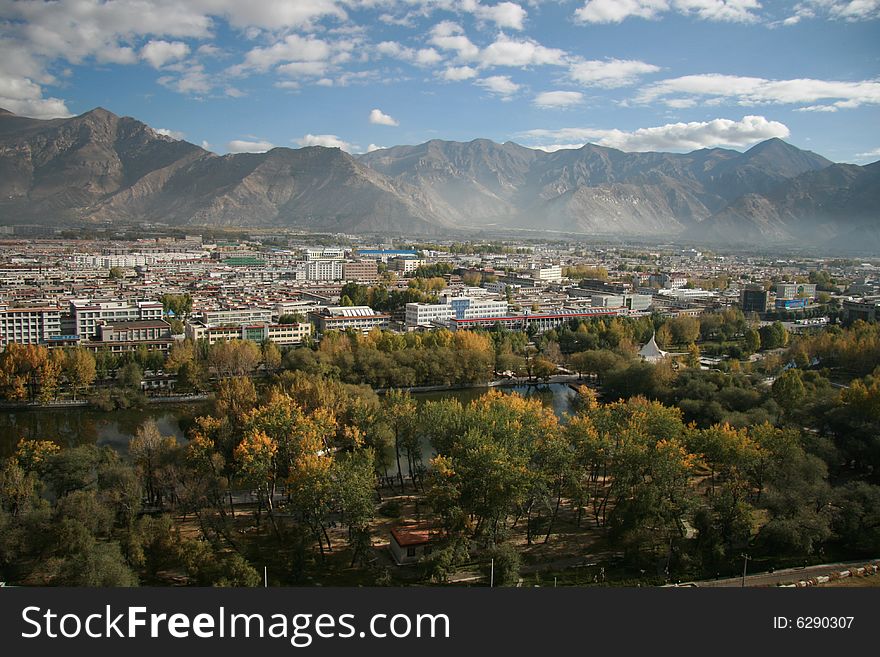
{"x": 841, "y": 202}
{"x": 99, "y": 166}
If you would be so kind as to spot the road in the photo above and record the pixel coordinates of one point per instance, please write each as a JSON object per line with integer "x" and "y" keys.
{"x": 787, "y": 576}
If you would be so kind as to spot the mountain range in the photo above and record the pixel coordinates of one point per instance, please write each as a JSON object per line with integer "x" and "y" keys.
{"x": 102, "y": 167}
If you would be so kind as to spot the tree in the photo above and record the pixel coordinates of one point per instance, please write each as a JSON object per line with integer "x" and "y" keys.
{"x": 271, "y": 355}
{"x": 79, "y": 367}
{"x": 150, "y": 451}
{"x": 116, "y": 273}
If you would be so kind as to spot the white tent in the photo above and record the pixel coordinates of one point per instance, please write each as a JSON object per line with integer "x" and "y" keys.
{"x": 651, "y": 352}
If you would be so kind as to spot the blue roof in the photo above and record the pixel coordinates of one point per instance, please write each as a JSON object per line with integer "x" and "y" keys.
{"x": 386, "y": 252}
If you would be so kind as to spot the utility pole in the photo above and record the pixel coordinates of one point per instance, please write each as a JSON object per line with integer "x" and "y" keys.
{"x": 492, "y": 573}
{"x": 265, "y": 577}
{"x": 745, "y": 565}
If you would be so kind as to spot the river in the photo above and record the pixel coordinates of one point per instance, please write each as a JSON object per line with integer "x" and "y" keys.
{"x": 86, "y": 426}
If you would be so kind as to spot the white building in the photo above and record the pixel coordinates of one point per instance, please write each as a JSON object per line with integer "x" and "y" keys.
{"x": 550, "y": 273}
{"x": 237, "y": 316}
{"x": 324, "y": 270}
{"x": 29, "y": 325}
{"x": 405, "y": 265}
{"x": 326, "y": 253}
{"x": 88, "y": 314}
{"x": 453, "y": 307}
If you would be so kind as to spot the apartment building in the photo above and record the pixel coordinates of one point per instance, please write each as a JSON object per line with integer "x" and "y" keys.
{"x": 29, "y": 325}
{"x": 88, "y": 314}
{"x": 237, "y": 316}
{"x": 280, "y": 334}
{"x": 343, "y": 318}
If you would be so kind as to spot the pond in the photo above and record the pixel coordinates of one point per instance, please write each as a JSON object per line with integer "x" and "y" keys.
{"x": 86, "y": 426}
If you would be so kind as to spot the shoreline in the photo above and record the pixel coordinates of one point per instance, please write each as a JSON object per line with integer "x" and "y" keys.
{"x": 194, "y": 399}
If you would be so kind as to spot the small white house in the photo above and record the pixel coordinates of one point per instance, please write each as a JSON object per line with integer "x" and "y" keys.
{"x": 410, "y": 543}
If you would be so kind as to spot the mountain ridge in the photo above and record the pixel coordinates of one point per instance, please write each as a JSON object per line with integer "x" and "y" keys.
{"x": 99, "y": 166}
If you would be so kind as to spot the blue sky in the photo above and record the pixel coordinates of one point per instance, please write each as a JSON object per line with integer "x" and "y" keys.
{"x": 637, "y": 75}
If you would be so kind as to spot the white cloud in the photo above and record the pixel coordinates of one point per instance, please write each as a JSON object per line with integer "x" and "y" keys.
{"x": 616, "y": 11}
{"x": 293, "y": 48}
{"x": 500, "y": 85}
{"x": 25, "y": 97}
{"x": 458, "y": 73}
{"x": 672, "y": 136}
{"x": 206, "y": 144}
{"x": 505, "y": 51}
{"x": 610, "y": 73}
{"x": 242, "y": 146}
{"x": 845, "y": 10}
{"x": 421, "y": 57}
{"x": 504, "y": 14}
{"x": 450, "y": 36}
{"x": 869, "y": 154}
{"x": 558, "y": 99}
{"x": 193, "y": 80}
{"x": 303, "y": 69}
{"x": 754, "y": 91}
{"x": 328, "y": 141}
{"x": 233, "y": 92}
{"x": 374, "y": 147}
{"x": 174, "y": 134}
{"x": 158, "y": 53}
{"x": 816, "y": 108}
{"x": 379, "y": 117}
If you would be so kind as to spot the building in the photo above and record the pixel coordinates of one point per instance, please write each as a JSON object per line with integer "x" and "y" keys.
{"x": 343, "y": 318}
{"x": 366, "y": 271}
{"x": 634, "y": 302}
{"x": 867, "y": 310}
{"x": 754, "y": 299}
{"x": 549, "y": 273}
{"x": 453, "y": 307}
{"x": 790, "y": 304}
{"x": 795, "y": 291}
{"x": 405, "y": 265}
{"x": 237, "y": 316}
{"x": 324, "y": 270}
{"x": 538, "y": 322}
{"x": 325, "y": 253}
{"x": 280, "y": 334}
{"x": 410, "y": 544}
{"x": 124, "y": 336}
{"x": 34, "y": 325}
{"x": 89, "y": 314}
{"x": 426, "y": 314}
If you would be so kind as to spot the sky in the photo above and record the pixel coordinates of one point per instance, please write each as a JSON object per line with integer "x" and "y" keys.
{"x": 638, "y": 75}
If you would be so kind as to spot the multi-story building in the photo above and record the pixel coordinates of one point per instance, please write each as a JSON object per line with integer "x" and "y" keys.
{"x": 366, "y": 271}
{"x": 343, "y": 318}
{"x": 549, "y": 273}
{"x": 281, "y": 334}
{"x": 453, "y": 307}
{"x": 795, "y": 290}
{"x": 754, "y": 299}
{"x": 29, "y": 325}
{"x": 129, "y": 336}
{"x": 88, "y": 314}
{"x": 237, "y": 316}
{"x": 538, "y": 321}
{"x": 325, "y": 253}
{"x": 425, "y": 314}
{"x": 405, "y": 265}
{"x": 324, "y": 270}
{"x": 867, "y": 310}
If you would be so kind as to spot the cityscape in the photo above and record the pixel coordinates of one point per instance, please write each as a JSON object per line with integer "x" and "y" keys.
{"x": 403, "y": 411}
{"x": 438, "y": 295}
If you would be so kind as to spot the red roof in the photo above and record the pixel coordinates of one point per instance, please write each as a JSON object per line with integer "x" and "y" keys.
{"x": 411, "y": 536}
